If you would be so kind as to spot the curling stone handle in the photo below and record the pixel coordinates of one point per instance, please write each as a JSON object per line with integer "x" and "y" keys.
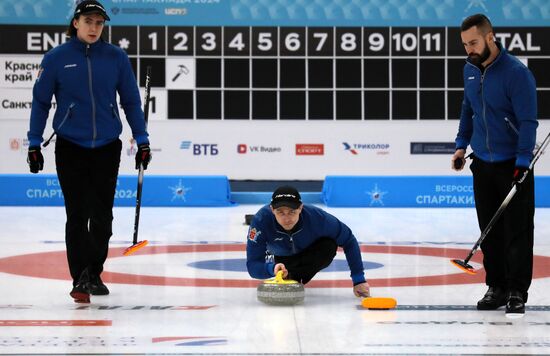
{"x": 279, "y": 277}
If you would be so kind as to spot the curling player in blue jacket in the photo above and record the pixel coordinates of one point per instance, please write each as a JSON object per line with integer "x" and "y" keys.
{"x": 499, "y": 122}
{"x": 85, "y": 74}
{"x": 302, "y": 239}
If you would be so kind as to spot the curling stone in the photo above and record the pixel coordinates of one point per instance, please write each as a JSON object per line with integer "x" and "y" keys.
{"x": 279, "y": 291}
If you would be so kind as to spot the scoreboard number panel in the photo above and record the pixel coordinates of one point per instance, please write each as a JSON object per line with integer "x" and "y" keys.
{"x": 181, "y": 41}
{"x": 298, "y": 73}
{"x": 265, "y": 41}
{"x": 292, "y": 41}
{"x": 237, "y": 41}
{"x": 376, "y": 41}
{"x": 320, "y": 42}
{"x": 152, "y": 40}
{"x": 208, "y": 41}
{"x": 348, "y": 40}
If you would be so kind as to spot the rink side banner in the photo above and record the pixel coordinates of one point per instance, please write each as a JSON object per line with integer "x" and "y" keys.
{"x": 282, "y": 12}
{"x": 410, "y": 192}
{"x": 212, "y": 191}
{"x": 169, "y": 191}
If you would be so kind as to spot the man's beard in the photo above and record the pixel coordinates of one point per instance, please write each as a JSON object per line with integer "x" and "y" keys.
{"x": 478, "y": 59}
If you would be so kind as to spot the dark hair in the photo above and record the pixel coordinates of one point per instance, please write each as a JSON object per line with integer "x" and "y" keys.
{"x": 480, "y": 21}
{"x": 71, "y": 30}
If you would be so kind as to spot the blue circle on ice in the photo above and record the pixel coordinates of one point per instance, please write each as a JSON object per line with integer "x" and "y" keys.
{"x": 239, "y": 265}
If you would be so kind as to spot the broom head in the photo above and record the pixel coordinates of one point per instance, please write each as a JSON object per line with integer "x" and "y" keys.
{"x": 464, "y": 266}
{"x": 135, "y": 247}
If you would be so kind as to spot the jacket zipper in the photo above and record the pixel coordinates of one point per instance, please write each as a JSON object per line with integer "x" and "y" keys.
{"x": 291, "y": 239}
{"x": 116, "y": 115}
{"x": 292, "y": 244}
{"x": 483, "y": 106}
{"x": 94, "y": 136}
{"x": 511, "y": 125}
{"x": 67, "y": 114}
{"x": 485, "y": 116}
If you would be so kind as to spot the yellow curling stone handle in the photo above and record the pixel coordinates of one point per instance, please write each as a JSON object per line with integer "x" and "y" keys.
{"x": 279, "y": 279}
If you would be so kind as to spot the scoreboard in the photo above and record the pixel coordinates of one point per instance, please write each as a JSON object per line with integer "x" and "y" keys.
{"x": 297, "y": 73}
{"x": 283, "y": 89}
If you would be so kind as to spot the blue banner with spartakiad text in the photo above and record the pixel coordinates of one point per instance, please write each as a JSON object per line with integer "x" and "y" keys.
{"x": 169, "y": 191}
{"x": 411, "y": 191}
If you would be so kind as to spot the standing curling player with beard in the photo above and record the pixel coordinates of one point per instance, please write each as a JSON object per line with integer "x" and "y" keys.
{"x": 499, "y": 122}
{"x": 85, "y": 74}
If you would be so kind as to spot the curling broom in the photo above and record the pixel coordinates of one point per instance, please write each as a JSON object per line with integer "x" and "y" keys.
{"x": 463, "y": 264}
{"x": 135, "y": 244}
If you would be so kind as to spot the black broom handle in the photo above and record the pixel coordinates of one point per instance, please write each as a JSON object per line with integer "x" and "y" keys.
{"x": 140, "y": 174}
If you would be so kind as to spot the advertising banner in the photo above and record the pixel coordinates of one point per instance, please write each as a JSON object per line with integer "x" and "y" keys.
{"x": 299, "y": 150}
{"x": 176, "y": 191}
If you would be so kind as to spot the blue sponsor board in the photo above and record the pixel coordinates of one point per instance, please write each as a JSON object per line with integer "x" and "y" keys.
{"x": 411, "y": 191}
{"x": 44, "y": 190}
{"x": 284, "y": 13}
{"x": 211, "y": 191}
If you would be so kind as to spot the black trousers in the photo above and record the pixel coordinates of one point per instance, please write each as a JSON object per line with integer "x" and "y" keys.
{"x": 508, "y": 248}
{"x": 304, "y": 265}
{"x": 88, "y": 180}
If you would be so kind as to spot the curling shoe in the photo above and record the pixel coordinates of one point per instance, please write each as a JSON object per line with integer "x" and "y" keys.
{"x": 515, "y": 307}
{"x": 80, "y": 292}
{"x": 493, "y": 299}
{"x": 97, "y": 287}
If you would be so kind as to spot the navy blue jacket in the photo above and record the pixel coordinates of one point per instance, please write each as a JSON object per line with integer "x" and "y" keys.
{"x": 85, "y": 79}
{"x": 499, "y": 111}
{"x": 265, "y": 234}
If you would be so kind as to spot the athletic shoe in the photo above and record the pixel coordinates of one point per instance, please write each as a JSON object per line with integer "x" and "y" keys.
{"x": 515, "y": 307}
{"x": 80, "y": 292}
{"x": 493, "y": 299}
{"x": 97, "y": 287}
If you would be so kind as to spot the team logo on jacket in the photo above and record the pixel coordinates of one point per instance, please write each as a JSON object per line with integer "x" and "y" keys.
{"x": 253, "y": 234}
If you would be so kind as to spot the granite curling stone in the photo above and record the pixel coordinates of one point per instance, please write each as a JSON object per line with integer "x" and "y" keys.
{"x": 279, "y": 291}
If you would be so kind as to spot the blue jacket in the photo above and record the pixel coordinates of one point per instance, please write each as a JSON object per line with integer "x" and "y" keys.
{"x": 313, "y": 224}
{"x": 85, "y": 79}
{"x": 499, "y": 111}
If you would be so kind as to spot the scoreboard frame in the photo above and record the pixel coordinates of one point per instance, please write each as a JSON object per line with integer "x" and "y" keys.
{"x": 300, "y": 73}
